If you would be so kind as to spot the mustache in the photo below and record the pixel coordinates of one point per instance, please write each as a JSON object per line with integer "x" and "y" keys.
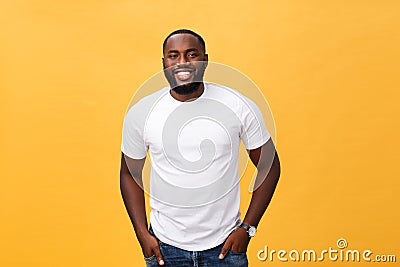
{"x": 197, "y": 70}
{"x": 183, "y": 68}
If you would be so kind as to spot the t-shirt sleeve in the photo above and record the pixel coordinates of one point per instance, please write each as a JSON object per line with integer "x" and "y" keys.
{"x": 133, "y": 143}
{"x": 254, "y": 133}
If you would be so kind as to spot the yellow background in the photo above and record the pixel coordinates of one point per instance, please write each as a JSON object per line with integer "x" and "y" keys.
{"x": 329, "y": 69}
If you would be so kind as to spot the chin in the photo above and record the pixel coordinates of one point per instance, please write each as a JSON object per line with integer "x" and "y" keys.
{"x": 187, "y": 88}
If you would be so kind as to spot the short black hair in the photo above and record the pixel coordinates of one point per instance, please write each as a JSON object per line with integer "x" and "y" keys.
{"x": 183, "y": 31}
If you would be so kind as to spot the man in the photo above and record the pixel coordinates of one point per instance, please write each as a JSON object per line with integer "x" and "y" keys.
{"x": 193, "y": 130}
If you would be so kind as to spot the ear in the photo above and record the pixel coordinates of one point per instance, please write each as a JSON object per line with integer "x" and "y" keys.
{"x": 163, "y": 62}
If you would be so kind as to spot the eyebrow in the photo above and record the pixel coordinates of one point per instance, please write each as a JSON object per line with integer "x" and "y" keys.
{"x": 187, "y": 50}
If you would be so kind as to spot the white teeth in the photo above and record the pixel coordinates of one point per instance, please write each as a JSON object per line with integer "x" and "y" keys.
{"x": 183, "y": 75}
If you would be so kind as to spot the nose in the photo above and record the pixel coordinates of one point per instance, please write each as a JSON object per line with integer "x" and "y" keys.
{"x": 182, "y": 60}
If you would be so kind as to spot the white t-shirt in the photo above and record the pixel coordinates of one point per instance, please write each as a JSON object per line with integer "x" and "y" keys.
{"x": 194, "y": 180}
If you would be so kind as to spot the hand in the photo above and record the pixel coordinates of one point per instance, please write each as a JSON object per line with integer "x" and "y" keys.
{"x": 151, "y": 247}
{"x": 237, "y": 242}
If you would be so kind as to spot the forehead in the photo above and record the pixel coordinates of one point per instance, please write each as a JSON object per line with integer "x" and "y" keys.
{"x": 182, "y": 42}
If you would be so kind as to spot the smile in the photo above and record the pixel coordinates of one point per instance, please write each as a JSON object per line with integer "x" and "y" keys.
{"x": 183, "y": 74}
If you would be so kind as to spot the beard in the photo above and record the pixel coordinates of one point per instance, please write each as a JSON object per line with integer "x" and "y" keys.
{"x": 186, "y": 89}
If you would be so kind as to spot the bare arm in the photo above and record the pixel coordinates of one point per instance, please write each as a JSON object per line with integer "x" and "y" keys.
{"x": 133, "y": 196}
{"x": 267, "y": 162}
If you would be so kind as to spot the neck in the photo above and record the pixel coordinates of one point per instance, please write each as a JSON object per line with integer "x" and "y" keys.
{"x": 190, "y": 97}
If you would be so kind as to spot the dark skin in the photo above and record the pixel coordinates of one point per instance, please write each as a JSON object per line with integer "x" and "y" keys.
{"x": 184, "y": 50}
{"x": 267, "y": 163}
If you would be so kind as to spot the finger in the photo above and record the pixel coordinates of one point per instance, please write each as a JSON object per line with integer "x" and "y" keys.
{"x": 159, "y": 256}
{"x": 225, "y": 249}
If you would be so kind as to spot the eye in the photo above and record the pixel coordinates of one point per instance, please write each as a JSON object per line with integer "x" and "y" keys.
{"x": 172, "y": 56}
{"x": 192, "y": 55}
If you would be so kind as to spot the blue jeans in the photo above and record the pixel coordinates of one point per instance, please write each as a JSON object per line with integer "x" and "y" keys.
{"x": 176, "y": 257}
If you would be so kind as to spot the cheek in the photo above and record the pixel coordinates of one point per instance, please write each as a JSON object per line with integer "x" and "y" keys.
{"x": 168, "y": 66}
{"x": 168, "y": 63}
{"x": 200, "y": 67}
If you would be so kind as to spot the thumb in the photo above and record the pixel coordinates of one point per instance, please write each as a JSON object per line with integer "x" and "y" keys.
{"x": 159, "y": 256}
{"x": 225, "y": 249}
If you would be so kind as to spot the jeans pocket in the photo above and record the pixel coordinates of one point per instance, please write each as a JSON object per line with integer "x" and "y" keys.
{"x": 150, "y": 258}
{"x": 237, "y": 259}
{"x": 237, "y": 253}
{"x": 151, "y": 261}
